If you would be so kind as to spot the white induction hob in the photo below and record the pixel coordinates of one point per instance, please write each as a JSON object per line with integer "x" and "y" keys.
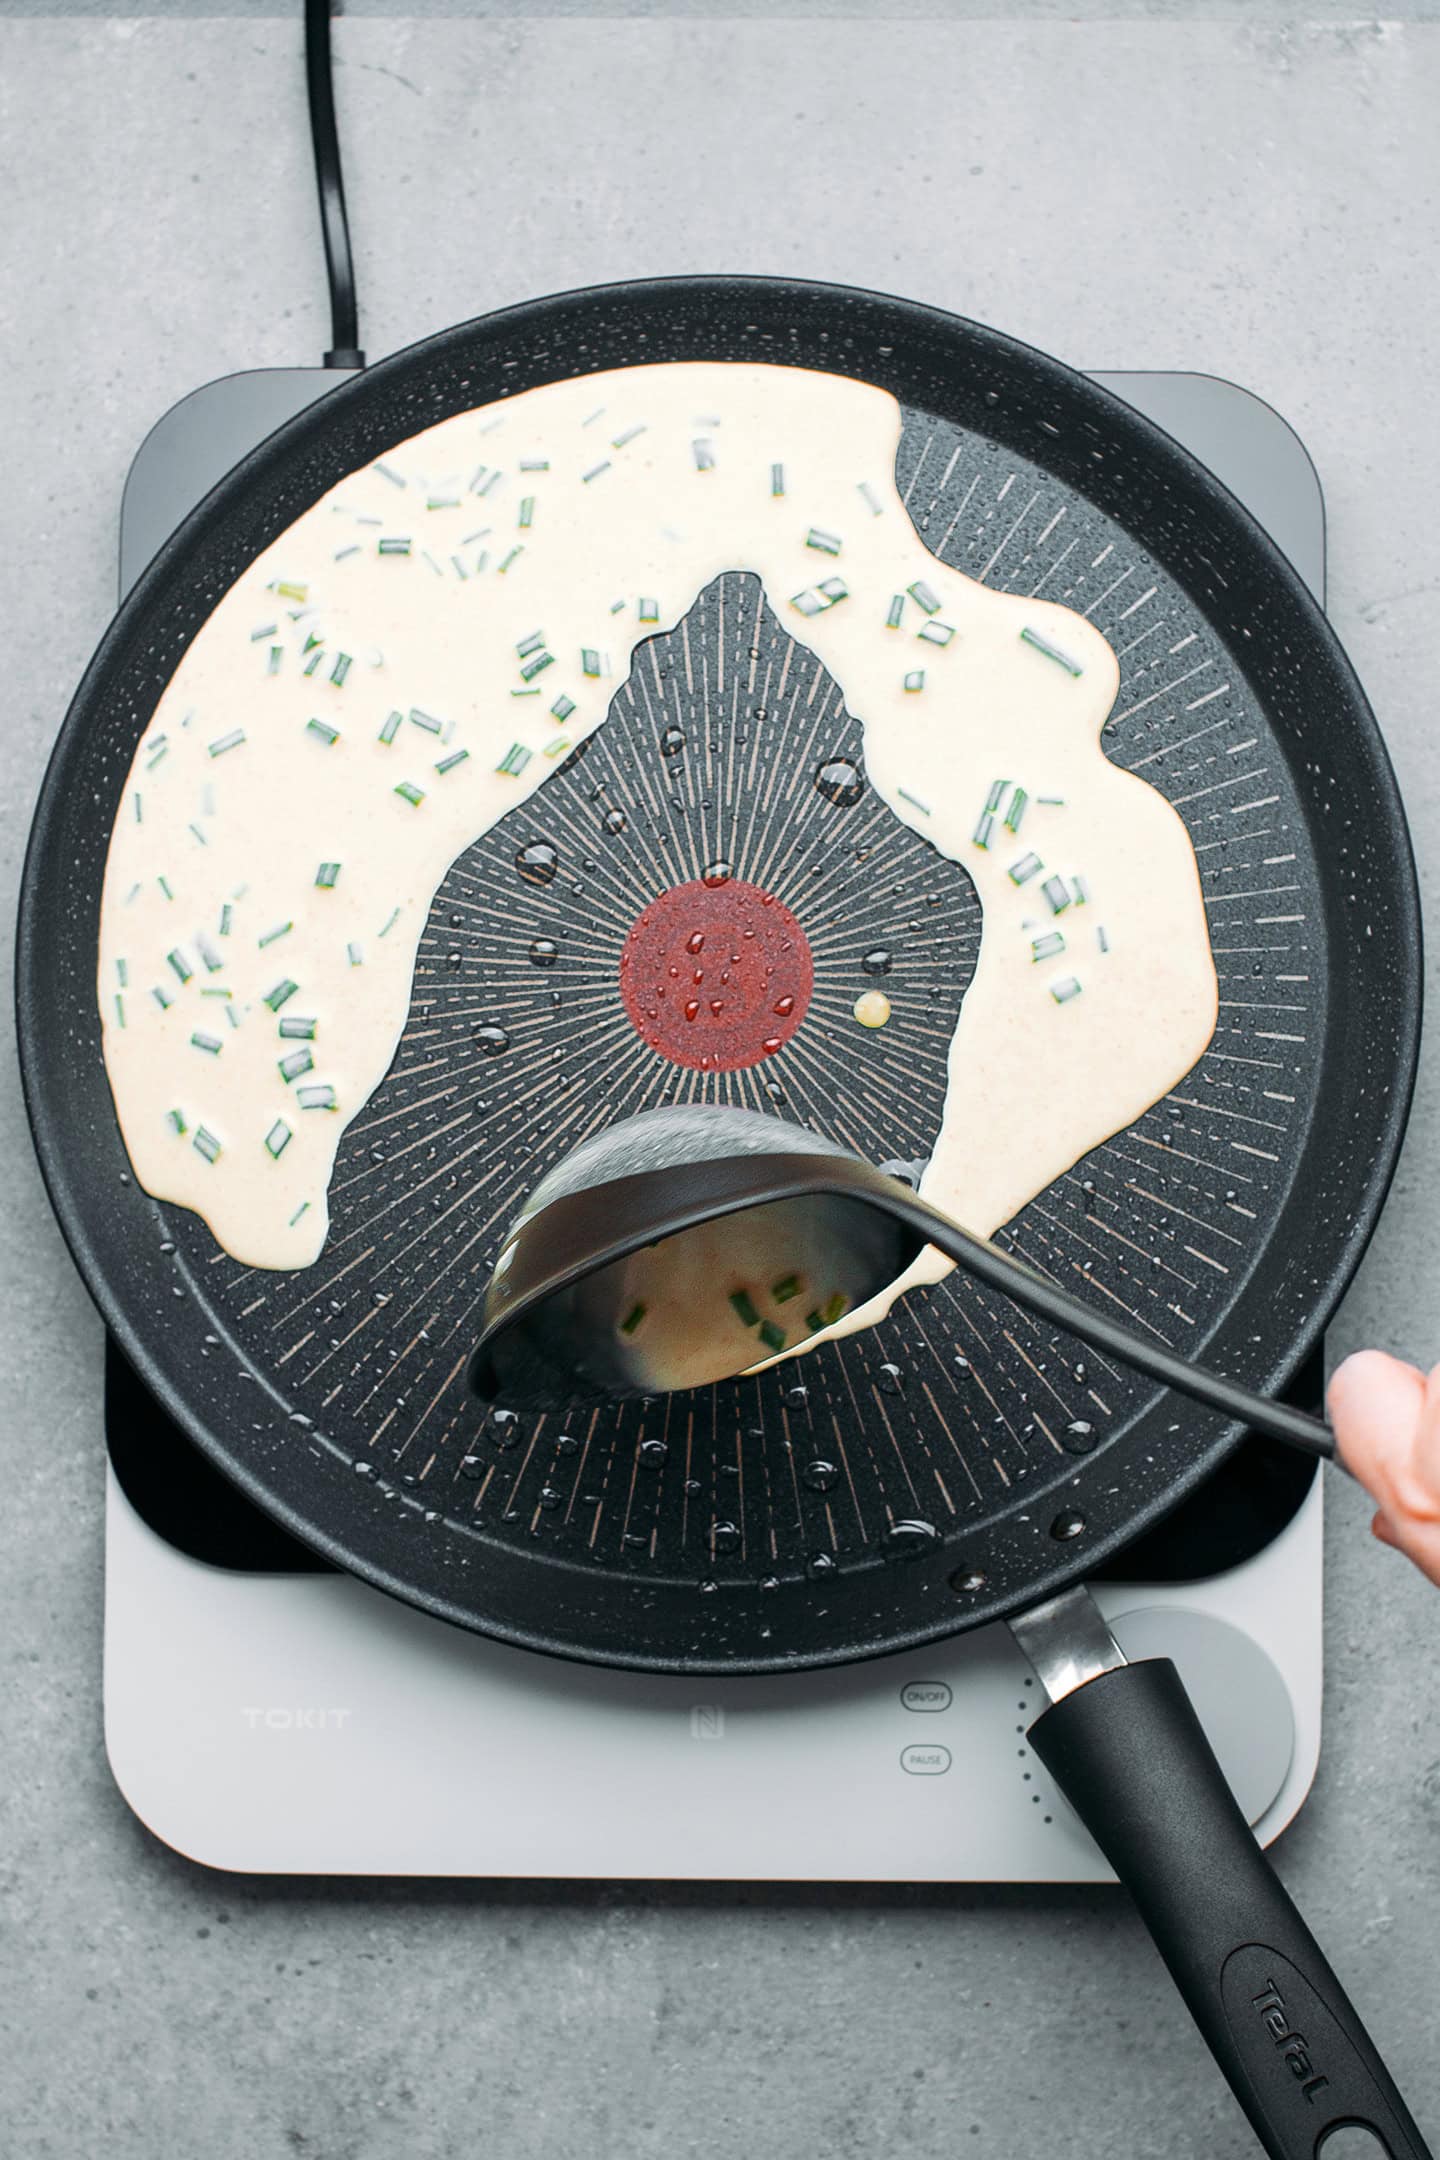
{"x": 287, "y": 1720}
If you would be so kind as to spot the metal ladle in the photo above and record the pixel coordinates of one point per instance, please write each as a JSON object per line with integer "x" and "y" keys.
{"x": 768, "y": 1233}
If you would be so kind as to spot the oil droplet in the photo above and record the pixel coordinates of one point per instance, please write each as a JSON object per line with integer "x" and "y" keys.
{"x": 890, "y": 1380}
{"x": 770, "y": 1045}
{"x": 672, "y": 742}
{"x": 1069, "y": 1523}
{"x": 614, "y": 821}
{"x": 490, "y": 1038}
{"x": 840, "y": 781}
{"x": 775, "y": 1092}
{"x": 907, "y": 1540}
{"x": 695, "y": 942}
{"x": 724, "y": 1537}
{"x": 962, "y": 1362}
{"x": 967, "y": 1581}
{"x": 692, "y": 1008}
{"x": 651, "y": 1454}
{"x": 797, "y": 1396}
{"x": 537, "y": 862}
{"x": 820, "y": 1475}
{"x": 819, "y": 1563}
{"x": 454, "y": 959}
{"x": 878, "y": 961}
{"x": 872, "y": 1008}
{"x": 783, "y": 1007}
{"x": 544, "y": 952}
{"x": 567, "y": 1444}
{"x": 505, "y": 1429}
{"x": 1078, "y": 1437}
{"x": 550, "y": 1497}
{"x": 716, "y": 873}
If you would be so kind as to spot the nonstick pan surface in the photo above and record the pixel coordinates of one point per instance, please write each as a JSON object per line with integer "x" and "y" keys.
{"x": 956, "y": 1463}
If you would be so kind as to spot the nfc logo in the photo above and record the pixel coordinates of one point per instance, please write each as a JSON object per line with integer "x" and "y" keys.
{"x": 707, "y": 1721}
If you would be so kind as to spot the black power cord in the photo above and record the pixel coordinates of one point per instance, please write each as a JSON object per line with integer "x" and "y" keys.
{"x": 339, "y": 262}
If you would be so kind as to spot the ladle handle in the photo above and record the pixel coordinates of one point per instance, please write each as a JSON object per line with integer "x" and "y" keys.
{"x": 1155, "y": 1359}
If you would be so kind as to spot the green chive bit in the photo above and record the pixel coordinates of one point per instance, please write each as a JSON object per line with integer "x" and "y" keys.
{"x": 327, "y": 876}
{"x": 516, "y": 758}
{"x": 537, "y": 666}
{"x": 1026, "y": 868}
{"x": 175, "y": 1119}
{"x": 914, "y": 801}
{"x": 828, "y": 543}
{"x": 996, "y": 795}
{"x": 448, "y": 764}
{"x": 937, "y": 633}
{"x": 341, "y": 669}
{"x": 391, "y": 727}
{"x": 1057, "y": 893}
{"x": 703, "y": 453}
{"x": 442, "y": 502}
{"x": 1016, "y": 810}
{"x": 281, "y": 993}
{"x": 534, "y": 643}
{"x": 626, "y": 435}
{"x": 355, "y": 954}
{"x": 164, "y": 884}
{"x": 835, "y": 1308}
{"x": 1048, "y": 946}
{"x": 227, "y": 916}
{"x": 297, "y": 1030}
{"x": 595, "y": 471}
{"x": 534, "y": 464}
{"x": 266, "y": 630}
{"x": 593, "y": 663}
{"x": 276, "y": 655}
{"x": 895, "y": 612}
{"x": 162, "y": 998}
{"x": 562, "y": 708}
{"x": 278, "y": 1138}
{"x": 120, "y": 1008}
{"x": 426, "y": 720}
{"x": 122, "y": 973}
{"x": 408, "y": 792}
{"x": 303, "y": 1209}
{"x": 295, "y": 1063}
{"x": 395, "y": 544}
{"x": 272, "y": 936}
{"x": 924, "y": 596}
{"x": 319, "y": 1097}
{"x": 527, "y": 512}
{"x": 1051, "y": 652}
{"x": 206, "y": 1144}
{"x": 388, "y": 472}
{"x": 744, "y": 1306}
{"x": 648, "y": 610}
{"x": 210, "y": 1044}
{"x": 390, "y": 921}
{"x": 292, "y": 592}
{"x": 773, "y": 1337}
{"x": 789, "y": 1286}
{"x": 326, "y": 734}
{"x": 915, "y": 680}
{"x": 232, "y": 741}
{"x": 502, "y": 567}
{"x": 777, "y": 479}
{"x": 180, "y": 964}
{"x": 632, "y": 1319}
{"x": 1068, "y": 987}
{"x": 557, "y": 748}
{"x": 814, "y": 1321}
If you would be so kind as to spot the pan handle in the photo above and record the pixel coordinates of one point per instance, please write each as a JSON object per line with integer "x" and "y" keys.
{"x": 1130, "y": 1755}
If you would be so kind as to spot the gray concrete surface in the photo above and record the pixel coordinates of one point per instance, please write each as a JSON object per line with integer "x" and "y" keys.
{"x": 1250, "y": 198}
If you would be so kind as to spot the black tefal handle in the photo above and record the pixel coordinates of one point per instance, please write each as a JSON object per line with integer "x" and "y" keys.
{"x": 1130, "y": 1755}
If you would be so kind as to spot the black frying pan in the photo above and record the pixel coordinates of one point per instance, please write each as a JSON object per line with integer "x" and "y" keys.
{"x": 956, "y": 1465}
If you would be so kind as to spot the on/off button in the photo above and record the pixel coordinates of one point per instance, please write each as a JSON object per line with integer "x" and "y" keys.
{"x": 925, "y": 1695}
{"x": 925, "y": 1761}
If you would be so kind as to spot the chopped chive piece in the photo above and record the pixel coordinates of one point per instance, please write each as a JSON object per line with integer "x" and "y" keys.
{"x": 199, "y": 835}
{"x": 983, "y": 831}
{"x": 389, "y": 473}
{"x": 395, "y": 544}
{"x": 833, "y": 589}
{"x": 1051, "y": 652}
{"x": 162, "y": 998}
{"x": 502, "y": 567}
{"x": 212, "y": 1045}
{"x": 391, "y": 728}
{"x": 1068, "y": 987}
{"x": 1046, "y": 947}
{"x": 355, "y": 954}
{"x": 1102, "y": 938}
{"x": 1051, "y": 802}
{"x": 408, "y": 792}
{"x": 870, "y": 499}
{"x": 122, "y": 973}
{"x": 327, "y": 875}
{"x": 516, "y": 758}
{"x": 217, "y": 993}
{"x": 596, "y": 470}
{"x": 180, "y": 964}
{"x": 232, "y": 741}
{"x": 120, "y": 1008}
{"x": 280, "y": 930}
{"x": 292, "y": 592}
{"x": 327, "y": 734}
{"x": 303, "y": 1209}
{"x": 559, "y": 745}
{"x": 448, "y": 764}
{"x": 1057, "y": 893}
{"x": 914, "y": 801}
{"x": 527, "y": 512}
{"x": 311, "y": 641}
{"x": 175, "y": 1119}
{"x": 1080, "y": 889}
{"x": 341, "y": 669}
{"x": 458, "y": 567}
{"x": 297, "y": 1030}
{"x": 1026, "y": 868}
{"x": 282, "y": 992}
{"x": 227, "y": 916}
{"x": 488, "y": 484}
{"x": 266, "y": 630}
{"x": 207, "y": 952}
{"x": 563, "y": 707}
{"x": 915, "y": 680}
{"x": 895, "y": 611}
{"x": 703, "y": 453}
{"x": 789, "y": 1286}
{"x": 319, "y": 1097}
{"x": 593, "y": 663}
{"x": 442, "y": 502}
{"x": 534, "y": 464}
{"x": 537, "y": 666}
{"x": 206, "y": 1144}
{"x": 827, "y": 543}
{"x": 773, "y": 1337}
{"x": 296, "y": 1062}
{"x": 164, "y": 884}
{"x": 312, "y": 663}
{"x": 814, "y": 1321}
{"x": 648, "y": 610}
{"x": 1016, "y": 811}
{"x": 425, "y": 720}
{"x": 277, "y": 654}
{"x": 162, "y": 752}
{"x": 937, "y": 633}
{"x": 745, "y": 1307}
{"x": 534, "y": 643}
{"x": 139, "y": 808}
{"x": 996, "y": 795}
{"x": 278, "y": 1138}
{"x": 835, "y": 1308}
{"x": 808, "y": 602}
{"x": 632, "y": 1319}
{"x": 390, "y": 921}
{"x": 777, "y": 479}
{"x": 533, "y": 692}
{"x": 924, "y": 596}
{"x": 618, "y": 442}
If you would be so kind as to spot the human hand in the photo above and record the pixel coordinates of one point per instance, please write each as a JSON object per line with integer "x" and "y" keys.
{"x": 1386, "y": 1417}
